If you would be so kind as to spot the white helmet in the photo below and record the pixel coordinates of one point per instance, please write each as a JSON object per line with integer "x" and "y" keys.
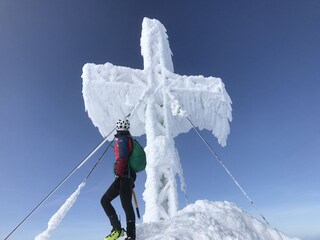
{"x": 123, "y": 125}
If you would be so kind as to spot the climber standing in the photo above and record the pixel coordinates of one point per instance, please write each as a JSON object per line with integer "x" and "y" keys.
{"x": 122, "y": 185}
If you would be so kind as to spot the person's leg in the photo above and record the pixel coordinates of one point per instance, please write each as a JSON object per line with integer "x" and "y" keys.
{"x": 110, "y": 194}
{"x": 126, "y": 201}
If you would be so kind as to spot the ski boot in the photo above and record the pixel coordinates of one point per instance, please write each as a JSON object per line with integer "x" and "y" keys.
{"x": 131, "y": 230}
{"x": 115, "y": 234}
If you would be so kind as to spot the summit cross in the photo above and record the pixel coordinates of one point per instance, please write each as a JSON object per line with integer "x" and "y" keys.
{"x": 156, "y": 99}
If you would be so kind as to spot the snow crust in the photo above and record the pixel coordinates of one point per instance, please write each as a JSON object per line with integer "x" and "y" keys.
{"x": 207, "y": 220}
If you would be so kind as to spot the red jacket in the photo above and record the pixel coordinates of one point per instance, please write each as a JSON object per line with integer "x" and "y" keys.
{"x": 122, "y": 150}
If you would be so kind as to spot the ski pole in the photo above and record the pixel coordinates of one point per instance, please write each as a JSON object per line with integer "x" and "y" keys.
{"x": 136, "y": 203}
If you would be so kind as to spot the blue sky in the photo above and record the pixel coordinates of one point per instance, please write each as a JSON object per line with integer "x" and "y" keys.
{"x": 266, "y": 52}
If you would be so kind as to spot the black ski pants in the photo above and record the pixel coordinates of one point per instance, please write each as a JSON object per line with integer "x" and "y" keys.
{"x": 121, "y": 186}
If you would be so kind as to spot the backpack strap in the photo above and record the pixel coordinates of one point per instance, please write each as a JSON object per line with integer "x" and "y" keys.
{"x": 130, "y": 143}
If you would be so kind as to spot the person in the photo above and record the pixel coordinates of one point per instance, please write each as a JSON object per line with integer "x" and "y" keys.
{"x": 122, "y": 185}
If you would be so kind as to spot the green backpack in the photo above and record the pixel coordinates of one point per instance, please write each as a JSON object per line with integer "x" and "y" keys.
{"x": 137, "y": 160}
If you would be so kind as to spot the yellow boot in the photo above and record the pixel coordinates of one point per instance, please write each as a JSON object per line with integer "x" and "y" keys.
{"x": 115, "y": 234}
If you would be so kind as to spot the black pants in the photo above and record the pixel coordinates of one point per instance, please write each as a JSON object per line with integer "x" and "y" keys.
{"x": 121, "y": 186}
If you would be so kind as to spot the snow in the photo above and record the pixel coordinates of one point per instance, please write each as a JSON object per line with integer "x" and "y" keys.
{"x": 57, "y": 218}
{"x": 111, "y": 92}
{"x": 156, "y": 100}
{"x": 207, "y": 220}
{"x": 203, "y": 220}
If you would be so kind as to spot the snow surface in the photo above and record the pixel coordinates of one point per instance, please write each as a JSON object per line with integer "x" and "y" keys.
{"x": 207, "y": 220}
{"x": 157, "y": 101}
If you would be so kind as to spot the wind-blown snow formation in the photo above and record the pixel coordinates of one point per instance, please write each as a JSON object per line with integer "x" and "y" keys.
{"x": 207, "y": 220}
{"x": 57, "y": 218}
{"x": 157, "y": 100}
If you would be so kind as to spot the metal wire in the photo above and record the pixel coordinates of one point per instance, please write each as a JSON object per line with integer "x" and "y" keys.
{"x": 144, "y": 95}
{"x": 227, "y": 170}
{"x": 59, "y": 185}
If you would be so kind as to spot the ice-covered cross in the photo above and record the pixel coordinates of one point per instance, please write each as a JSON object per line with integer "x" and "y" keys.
{"x": 157, "y": 99}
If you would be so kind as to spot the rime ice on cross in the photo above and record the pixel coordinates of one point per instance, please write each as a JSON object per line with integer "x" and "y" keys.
{"x": 157, "y": 99}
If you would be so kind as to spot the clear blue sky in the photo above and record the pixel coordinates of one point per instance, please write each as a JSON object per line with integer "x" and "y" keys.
{"x": 266, "y": 52}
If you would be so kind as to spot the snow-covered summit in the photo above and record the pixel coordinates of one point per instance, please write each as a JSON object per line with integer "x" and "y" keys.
{"x": 207, "y": 220}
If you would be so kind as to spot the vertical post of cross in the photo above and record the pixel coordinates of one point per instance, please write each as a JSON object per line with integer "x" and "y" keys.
{"x": 160, "y": 194}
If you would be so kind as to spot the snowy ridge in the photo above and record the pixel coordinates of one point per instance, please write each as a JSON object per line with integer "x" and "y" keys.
{"x": 207, "y": 220}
